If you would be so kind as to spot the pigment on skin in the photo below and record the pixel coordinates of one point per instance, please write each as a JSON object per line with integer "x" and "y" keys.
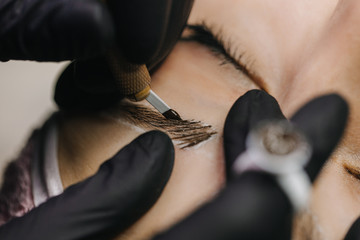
{"x": 187, "y": 133}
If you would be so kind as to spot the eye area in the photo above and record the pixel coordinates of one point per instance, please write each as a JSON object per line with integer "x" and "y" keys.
{"x": 203, "y": 34}
{"x": 223, "y": 50}
{"x": 353, "y": 172}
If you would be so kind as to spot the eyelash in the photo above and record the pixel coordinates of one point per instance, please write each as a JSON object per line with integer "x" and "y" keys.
{"x": 354, "y": 173}
{"x": 203, "y": 34}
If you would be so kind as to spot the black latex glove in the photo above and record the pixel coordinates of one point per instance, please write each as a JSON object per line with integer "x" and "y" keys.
{"x": 354, "y": 232}
{"x": 104, "y": 205}
{"x": 252, "y": 205}
{"x": 55, "y": 30}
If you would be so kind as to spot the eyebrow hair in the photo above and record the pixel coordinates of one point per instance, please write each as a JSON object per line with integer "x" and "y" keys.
{"x": 203, "y": 34}
{"x": 186, "y": 133}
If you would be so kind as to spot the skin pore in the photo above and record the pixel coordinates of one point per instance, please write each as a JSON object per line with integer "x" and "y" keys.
{"x": 296, "y": 49}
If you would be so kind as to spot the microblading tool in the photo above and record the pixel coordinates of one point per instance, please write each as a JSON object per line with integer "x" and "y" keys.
{"x": 133, "y": 81}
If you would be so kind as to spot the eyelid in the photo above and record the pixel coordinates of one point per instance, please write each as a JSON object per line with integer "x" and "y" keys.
{"x": 352, "y": 171}
{"x": 203, "y": 34}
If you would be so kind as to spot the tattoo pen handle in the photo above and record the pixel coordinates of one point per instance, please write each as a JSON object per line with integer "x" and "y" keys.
{"x": 132, "y": 80}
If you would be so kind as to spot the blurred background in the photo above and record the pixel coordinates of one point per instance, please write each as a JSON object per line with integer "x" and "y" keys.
{"x": 26, "y": 92}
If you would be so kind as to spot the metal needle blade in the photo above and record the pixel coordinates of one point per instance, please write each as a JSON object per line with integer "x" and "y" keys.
{"x": 161, "y": 106}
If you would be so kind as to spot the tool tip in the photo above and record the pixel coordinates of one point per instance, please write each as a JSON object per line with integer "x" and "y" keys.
{"x": 171, "y": 114}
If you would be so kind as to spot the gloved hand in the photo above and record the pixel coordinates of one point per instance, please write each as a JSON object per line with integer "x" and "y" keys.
{"x": 148, "y": 32}
{"x": 252, "y": 205}
{"x": 55, "y": 30}
{"x": 102, "y": 206}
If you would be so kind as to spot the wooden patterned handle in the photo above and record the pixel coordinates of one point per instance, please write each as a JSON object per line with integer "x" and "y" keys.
{"x": 132, "y": 80}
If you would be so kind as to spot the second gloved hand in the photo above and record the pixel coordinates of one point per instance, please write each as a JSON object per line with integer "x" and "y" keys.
{"x": 104, "y": 205}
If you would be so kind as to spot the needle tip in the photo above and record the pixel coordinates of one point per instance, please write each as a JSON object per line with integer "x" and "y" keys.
{"x": 171, "y": 114}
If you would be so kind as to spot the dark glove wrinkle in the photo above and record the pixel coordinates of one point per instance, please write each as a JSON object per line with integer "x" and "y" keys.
{"x": 323, "y": 120}
{"x": 104, "y": 205}
{"x": 250, "y": 109}
{"x": 54, "y": 30}
{"x": 252, "y": 206}
{"x": 69, "y": 96}
{"x": 354, "y": 231}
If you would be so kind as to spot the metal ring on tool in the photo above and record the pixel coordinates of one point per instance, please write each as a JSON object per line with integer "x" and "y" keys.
{"x": 279, "y": 148}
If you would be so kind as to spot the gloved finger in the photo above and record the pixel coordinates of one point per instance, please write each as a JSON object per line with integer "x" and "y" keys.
{"x": 323, "y": 121}
{"x": 250, "y": 109}
{"x": 123, "y": 189}
{"x": 54, "y": 30}
{"x": 252, "y": 206}
{"x": 86, "y": 86}
{"x": 354, "y": 231}
{"x": 148, "y": 30}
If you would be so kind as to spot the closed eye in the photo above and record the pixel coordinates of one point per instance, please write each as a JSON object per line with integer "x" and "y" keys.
{"x": 204, "y": 35}
{"x": 353, "y": 172}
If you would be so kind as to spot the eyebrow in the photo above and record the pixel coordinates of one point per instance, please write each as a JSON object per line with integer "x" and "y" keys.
{"x": 203, "y": 34}
{"x": 185, "y": 133}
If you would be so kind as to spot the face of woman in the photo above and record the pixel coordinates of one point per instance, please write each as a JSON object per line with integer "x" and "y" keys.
{"x": 295, "y": 50}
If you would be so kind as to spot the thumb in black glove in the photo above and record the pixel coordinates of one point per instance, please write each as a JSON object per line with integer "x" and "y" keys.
{"x": 253, "y": 206}
{"x": 104, "y": 205}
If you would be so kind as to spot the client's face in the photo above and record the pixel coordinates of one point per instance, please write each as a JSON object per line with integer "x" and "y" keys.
{"x": 293, "y": 49}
